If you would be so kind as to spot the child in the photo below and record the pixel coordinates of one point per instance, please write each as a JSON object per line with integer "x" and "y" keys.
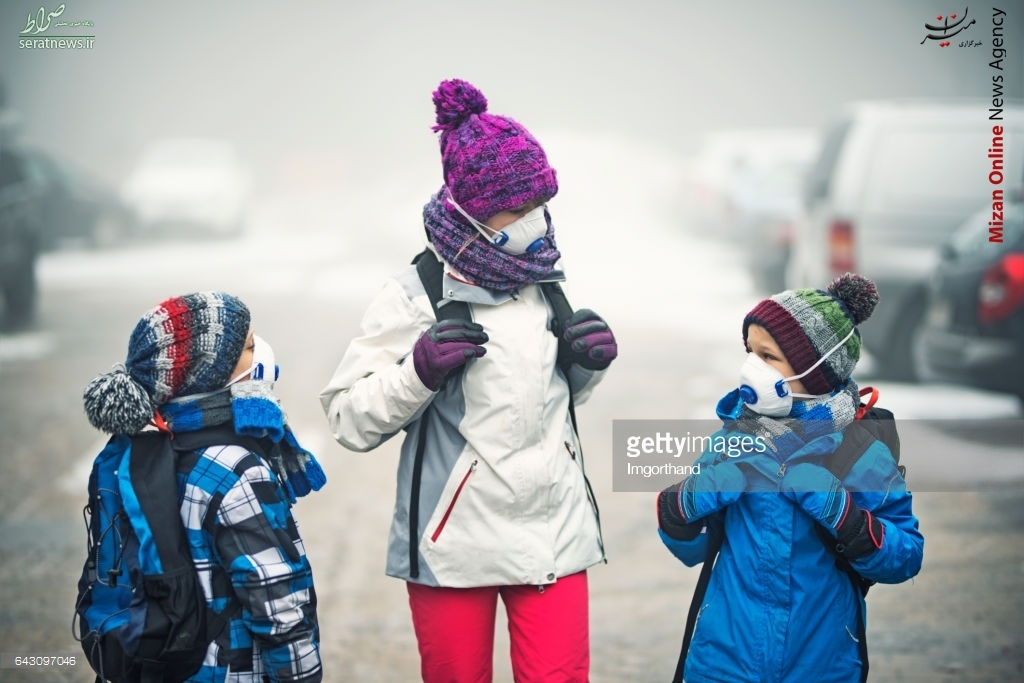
{"x": 194, "y": 363}
{"x": 491, "y": 499}
{"x": 778, "y": 607}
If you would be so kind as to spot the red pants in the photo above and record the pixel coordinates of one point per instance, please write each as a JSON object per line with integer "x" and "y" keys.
{"x": 548, "y": 631}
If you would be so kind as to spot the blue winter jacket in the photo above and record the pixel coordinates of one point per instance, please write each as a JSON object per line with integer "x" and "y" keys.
{"x": 777, "y": 608}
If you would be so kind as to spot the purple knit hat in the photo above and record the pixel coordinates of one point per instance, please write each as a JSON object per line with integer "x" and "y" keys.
{"x": 491, "y": 163}
{"x": 807, "y": 323}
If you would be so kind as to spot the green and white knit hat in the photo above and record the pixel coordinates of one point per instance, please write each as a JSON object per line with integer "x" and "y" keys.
{"x": 807, "y": 323}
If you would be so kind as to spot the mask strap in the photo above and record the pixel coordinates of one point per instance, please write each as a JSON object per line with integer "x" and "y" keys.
{"x": 819, "y": 362}
{"x": 239, "y": 377}
{"x": 475, "y": 223}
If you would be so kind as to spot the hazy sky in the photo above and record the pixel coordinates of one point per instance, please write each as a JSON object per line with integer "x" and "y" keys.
{"x": 345, "y": 86}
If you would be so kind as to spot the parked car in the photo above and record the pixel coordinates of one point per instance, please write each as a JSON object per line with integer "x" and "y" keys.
{"x": 189, "y": 186}
{"x": 74, "y": 207}
{"x": 973, "y": 332}
{"x": 19, "y": 241}
{"x": 893, "y": 180}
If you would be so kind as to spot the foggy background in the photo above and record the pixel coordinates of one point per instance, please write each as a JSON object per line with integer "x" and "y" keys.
{"x": 347, "y": 85}
{"x": 329, "y": 108}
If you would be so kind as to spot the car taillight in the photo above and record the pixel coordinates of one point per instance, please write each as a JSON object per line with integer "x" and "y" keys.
{"x": 840, "y": 247}
{"x": 1002, "y": 289}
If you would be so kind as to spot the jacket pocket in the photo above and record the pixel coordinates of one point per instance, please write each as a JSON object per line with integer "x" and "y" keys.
{"x": 451, "y": 505}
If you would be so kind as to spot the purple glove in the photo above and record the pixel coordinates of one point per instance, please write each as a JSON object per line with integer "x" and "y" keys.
{"x": 587, "y": 341}
{"x": 445, "y": 346}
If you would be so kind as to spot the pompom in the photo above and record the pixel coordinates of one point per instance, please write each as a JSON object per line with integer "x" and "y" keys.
{"x": 117, "y": 404}
{"x": 455, "y": 101}
{"x": 858, "y": 294}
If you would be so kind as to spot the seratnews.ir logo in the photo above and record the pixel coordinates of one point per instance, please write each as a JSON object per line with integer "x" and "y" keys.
{"x": 42, "y": 21}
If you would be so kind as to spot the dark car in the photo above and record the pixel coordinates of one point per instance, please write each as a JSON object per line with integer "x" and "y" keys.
{"x": 973, "y": 331}
{"x": 19, "y": 241}
{"x": 75, "y": 208}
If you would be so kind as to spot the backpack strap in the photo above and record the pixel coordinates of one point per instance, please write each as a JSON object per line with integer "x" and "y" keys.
{"x": 560, "y": 307}
{"x": 870, "y": 424}
{"x": 715, "y": 537}
{"x": 153, "y": 498}
{"x": 431, "y": 272}
{"x": 219, "y": 435}
{"x": 186, "y": 446}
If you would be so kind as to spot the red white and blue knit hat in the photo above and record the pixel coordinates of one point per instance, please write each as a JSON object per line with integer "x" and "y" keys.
{"x": 491, "y": 163}
{"x": 807, "y": 323}
{"x": 186, "y": 345}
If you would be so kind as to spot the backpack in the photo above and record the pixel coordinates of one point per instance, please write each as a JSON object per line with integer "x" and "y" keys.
{"x": 870, "y": 424}
{"x": 431, "y": 273}
{"x": 141, "y": 613}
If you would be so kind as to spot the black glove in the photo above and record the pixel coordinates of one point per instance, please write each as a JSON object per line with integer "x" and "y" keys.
{"x": 587, "y": 341}
{"x": 823, "y": 498}
{"x": 670, "y": 517}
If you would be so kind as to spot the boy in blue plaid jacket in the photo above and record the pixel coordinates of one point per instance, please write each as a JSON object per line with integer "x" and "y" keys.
{"x": 194, "y": 363}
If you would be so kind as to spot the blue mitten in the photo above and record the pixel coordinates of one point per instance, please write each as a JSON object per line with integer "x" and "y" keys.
{"x": 819, "y": 494}
{"x": 713, "y": 489}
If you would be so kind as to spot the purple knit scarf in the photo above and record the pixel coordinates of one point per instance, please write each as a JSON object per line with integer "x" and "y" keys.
{"x": 465, "y": 249}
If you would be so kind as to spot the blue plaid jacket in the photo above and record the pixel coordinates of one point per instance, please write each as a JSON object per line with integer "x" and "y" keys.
{"x": 252, "y": 566}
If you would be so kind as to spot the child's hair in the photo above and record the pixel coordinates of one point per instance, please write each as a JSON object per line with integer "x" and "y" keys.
{"x": 806, "y": 323}
{"x": 491, "y": 163}
{"x": 186, "y": 345}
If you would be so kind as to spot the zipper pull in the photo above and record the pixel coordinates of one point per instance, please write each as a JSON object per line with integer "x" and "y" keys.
{"x": 568, "y": 447}
{"x": 782, "y": 471}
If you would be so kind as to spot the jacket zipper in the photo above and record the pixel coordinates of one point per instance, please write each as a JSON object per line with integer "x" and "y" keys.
{"x": 572, "y": 454}
{"x": 451, "y": 505}
{"x": 590, "y": 498}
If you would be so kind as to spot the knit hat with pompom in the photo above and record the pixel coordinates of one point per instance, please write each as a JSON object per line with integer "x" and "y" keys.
{"x": 491, "y": 163}
{"x": 186, "y": 345}
{"x": 807, "y": 323}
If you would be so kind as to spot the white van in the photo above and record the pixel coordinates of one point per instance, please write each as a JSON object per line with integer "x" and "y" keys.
{"x": 892, "y": 181}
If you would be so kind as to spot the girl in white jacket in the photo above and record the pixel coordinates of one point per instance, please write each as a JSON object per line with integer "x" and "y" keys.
{"x": 492, "y": 499}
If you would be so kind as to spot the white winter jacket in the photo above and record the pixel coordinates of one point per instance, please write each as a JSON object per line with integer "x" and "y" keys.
{"x": 502, "y": 496}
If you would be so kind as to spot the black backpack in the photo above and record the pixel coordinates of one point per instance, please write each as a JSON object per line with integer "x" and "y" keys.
{"x": 141, "y": 613}
{"x": 871, "y": 424}
{"x": 431, "y": 272}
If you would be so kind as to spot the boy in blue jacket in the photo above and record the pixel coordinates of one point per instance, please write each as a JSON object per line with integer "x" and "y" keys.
{"x": 778, "y": 607}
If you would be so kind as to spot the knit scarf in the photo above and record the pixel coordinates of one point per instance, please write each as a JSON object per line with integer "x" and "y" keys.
{"x": 253, "y": 409}
{"x": 465, "y": 250}
{"x": 808, "y": 419}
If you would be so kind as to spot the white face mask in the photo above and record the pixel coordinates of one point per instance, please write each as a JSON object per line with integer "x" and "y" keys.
{"x": 264, "y": 366}
{"x": 766, "y": 391}
{"x": 525, "y": 235}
